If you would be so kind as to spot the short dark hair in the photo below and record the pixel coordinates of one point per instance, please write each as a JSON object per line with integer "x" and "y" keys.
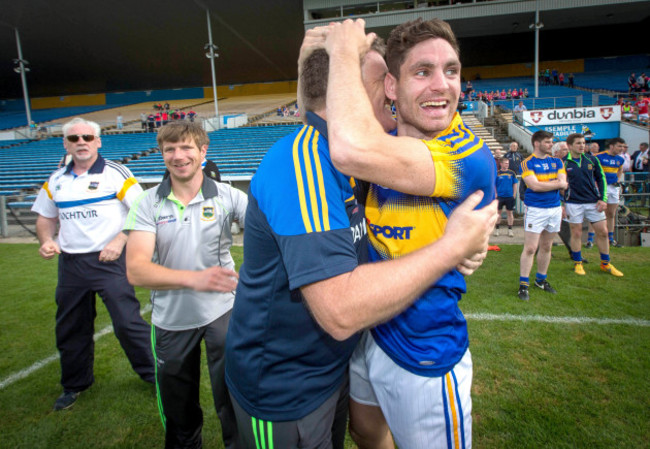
{"x": 409, "y": 34}
{"x": 176, "y": 131}
{"x": 540, "y": 135}
{"x": 614, "y": 140}
{"x": 315, "y": 72}
{"x": 572, "y": 137}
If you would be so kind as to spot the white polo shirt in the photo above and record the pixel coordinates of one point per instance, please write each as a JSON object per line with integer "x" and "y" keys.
{"x": 192, "y": 237}
{"x": 91, "y": 207}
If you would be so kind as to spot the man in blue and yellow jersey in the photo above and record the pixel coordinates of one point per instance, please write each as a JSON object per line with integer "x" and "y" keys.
{"x": 612, "y": 164}
{"x": 544, "y": 176}
{"x": 302, "y": 296}
{"x": 586, "y": 198}
{"x": 88, "y": 199}
{"x": 414, "y": 371}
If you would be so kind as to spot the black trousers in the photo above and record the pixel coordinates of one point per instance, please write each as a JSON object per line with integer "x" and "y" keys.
{"x": 178, "y": 374}
{"x": 81, "y": 276}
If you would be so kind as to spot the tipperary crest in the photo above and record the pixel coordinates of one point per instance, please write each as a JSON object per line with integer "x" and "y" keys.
{"x": 93, "y": 185}
{"x": 606, "y": 112}
{"x": 208, "y": 213}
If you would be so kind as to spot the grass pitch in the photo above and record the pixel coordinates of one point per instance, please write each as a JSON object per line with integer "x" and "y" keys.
{"x": 560, "y": 371}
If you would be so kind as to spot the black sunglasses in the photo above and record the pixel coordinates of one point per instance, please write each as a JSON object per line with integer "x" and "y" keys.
{"x": 75, "y": 138}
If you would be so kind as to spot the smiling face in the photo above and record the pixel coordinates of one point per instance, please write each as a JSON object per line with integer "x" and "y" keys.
{"x": 183, "y": 159}
{"x": 427, "y": 91}
{"x": 83, "y": 153}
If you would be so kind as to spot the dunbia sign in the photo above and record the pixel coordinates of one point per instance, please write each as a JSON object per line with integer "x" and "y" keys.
{"x": 598, "y": 122}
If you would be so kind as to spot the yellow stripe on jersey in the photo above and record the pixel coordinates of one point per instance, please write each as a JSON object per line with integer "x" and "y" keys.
{"x": 607, "y": 169}
{"x": 301, "y": 187}
{"x": 545, "y": 177}
{"x": 46, "y": 187}
{"x": 125, "y": 187}
{"x": 306, "y": 185}
{"x": 321, "y": 183}
{"x": 452, "y": 406}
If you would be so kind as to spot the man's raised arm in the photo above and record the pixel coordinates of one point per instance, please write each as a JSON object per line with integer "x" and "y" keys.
{"x": 359, "y": 146}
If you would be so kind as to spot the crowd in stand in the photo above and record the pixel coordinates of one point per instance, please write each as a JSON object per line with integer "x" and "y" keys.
{"x": 553, "y": 77}
{"x": 635, "y": 107}
{"x": 163, "y": 115}
{"x": 638, "y": 84}
{"x": 511, "y": 94}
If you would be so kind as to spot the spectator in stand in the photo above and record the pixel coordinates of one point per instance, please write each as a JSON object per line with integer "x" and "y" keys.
{"x": 158, "y": 119}
{"x": 119, "y": 121}
{"x": 631, "y": 83}
{"x": 521, "y": 107}
{"x": 468, "y": 87}
{"x": 165, "y": 115}
{"x": 166, "y": 106}
{"x": 503, "y": 95}
{"x": 151, "y": 122}
{"x": 626, "y": 110}
{"x": 640, "y": 82}
{"x": 556, "y": 80}
{"x": 642, "y": 108}
{"x": 627, "y": 165}
{"x": 571, "y": 78}
{"x": 526, "y": 92}
{"x": 561, "y": 78}
{"x": 191, "y": 115}
{"x": 593, "y": 148}
{"x": 143, "y": 121}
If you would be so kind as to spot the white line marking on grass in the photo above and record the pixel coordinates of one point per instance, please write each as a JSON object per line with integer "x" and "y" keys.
{"x": 46, "y": 361}
{"x": 557, "y": 319}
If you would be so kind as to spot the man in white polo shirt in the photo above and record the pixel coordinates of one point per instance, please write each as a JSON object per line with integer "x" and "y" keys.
{"x": 89, "y": 199}
{"x": 179, "y": 247}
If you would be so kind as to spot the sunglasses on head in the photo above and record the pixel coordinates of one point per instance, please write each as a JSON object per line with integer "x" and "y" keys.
{"x": 75, "y": 138}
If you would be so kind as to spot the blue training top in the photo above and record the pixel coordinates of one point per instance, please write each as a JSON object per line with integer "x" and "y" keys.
{"x": 303, "y": 225}
{"x": 429, "y": 337}
{"x": 506, "y": 179}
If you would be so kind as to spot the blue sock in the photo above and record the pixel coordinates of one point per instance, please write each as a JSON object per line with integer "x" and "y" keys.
{"x": 576, "y": 256}
{"x": 540, "y": 277}
{"x": 604, "y": 259}
{"x": 524, "y": 281}
{"x": 590, "y": 237}
{"x": 611, "y": 236}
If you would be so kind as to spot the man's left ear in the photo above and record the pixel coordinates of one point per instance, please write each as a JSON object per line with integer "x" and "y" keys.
{"x": 390, "y": 86}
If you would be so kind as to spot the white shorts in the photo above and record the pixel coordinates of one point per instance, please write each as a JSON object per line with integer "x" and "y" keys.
{"x": 422, "y": 412}
{"x": 613, "y": 194}
{"x": 538, "y": 219}
{"x": 576, "y": 213}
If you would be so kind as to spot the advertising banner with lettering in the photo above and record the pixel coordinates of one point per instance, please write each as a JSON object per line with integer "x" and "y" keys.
{"x": 597, "y": 122}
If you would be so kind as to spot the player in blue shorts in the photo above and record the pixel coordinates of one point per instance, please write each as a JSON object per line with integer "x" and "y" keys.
{"x": 302, "y": 298}
{"x": 506, "y": 190}
{"x": 544, "y": 176}
{"x": 414, "y": 370}
{"x": 612, "y": 164}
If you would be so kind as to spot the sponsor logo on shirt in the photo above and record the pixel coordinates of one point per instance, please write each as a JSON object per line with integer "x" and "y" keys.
{"x": 164, "y": 219}
{"x": 358, "y": 231}
{"x": 391, "y": 232}
{"x": 78, "y": 214}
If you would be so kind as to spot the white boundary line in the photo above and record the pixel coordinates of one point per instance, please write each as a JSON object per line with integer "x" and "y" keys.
{"x": 4, "y": 383}
{"x": 470, "y": 316}
{"x": 557, "y": 319}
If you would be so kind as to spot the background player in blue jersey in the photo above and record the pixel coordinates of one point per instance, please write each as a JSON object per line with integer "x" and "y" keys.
{"x": 301, "y": 297}
{"x": 585, "y": 199}
{"x": 414, "y": 369}
{"x": 506, "y": 191}
{"x": 612, "y": 164}
{"x": 544, "y": 176}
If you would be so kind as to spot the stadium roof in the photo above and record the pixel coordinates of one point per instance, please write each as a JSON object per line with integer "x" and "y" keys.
{"x": 81, "y": 46}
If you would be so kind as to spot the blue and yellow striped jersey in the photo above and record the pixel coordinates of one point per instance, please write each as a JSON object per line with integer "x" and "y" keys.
{"x": 430, "y": 337}
{"x": 611, "y": 165}
{"x": 544, "y": 169}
